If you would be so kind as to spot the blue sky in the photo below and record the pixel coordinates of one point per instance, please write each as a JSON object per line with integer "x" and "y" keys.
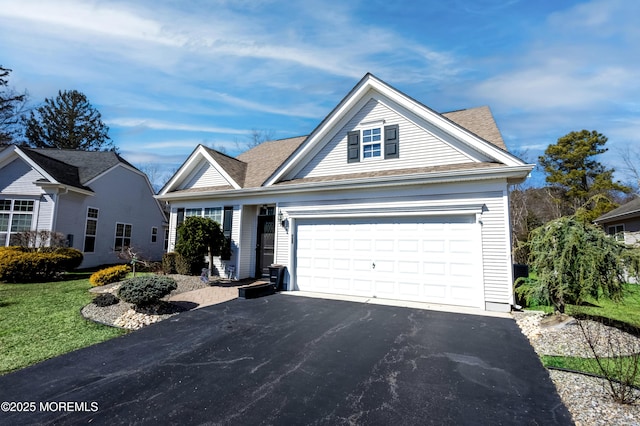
{"x": 167, "y": 74}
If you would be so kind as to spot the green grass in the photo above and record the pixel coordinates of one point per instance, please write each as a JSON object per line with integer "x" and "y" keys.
{"x": 589, "y": 365}
{"x": 627, "y": 310}
{"x": 42, "y": 320}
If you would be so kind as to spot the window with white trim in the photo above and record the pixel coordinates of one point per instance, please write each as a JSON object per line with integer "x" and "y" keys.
{"x": 154, "y": 234}
{"x": 371, "y": 143}
{"x": 15, "y": 216}
{"x": 617, "y": 231}
{"x": 214, "y": 213}
{"x": 91, "y": 230}
{"x": 123, "y": 236}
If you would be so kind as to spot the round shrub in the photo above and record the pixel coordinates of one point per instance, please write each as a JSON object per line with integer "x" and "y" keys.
{"x": 74, "y": 256}
{"x": 146, "y": 289}
{"x": 109, "y": 275}
{"x": 105, "y": 299}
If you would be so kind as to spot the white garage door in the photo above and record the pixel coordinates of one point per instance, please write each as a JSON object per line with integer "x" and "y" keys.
{"x": 434, "y": 259}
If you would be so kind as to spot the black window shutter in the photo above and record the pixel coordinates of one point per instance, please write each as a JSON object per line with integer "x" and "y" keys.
{"x": 391, "y": 142}
{"x": 353, "y": 147}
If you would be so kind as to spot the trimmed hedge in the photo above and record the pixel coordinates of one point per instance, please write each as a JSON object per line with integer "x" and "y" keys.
{"x": 109, "y": 275}
{"x": 19, "y": 265}
{"x": 146, "y": 289}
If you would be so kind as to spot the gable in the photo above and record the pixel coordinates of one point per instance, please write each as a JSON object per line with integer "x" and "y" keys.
{"x": 419, "y": 144}
{"x": 18, "y": 177}
{"x": 467, "y": 142}
{"x": 203, "y": 176}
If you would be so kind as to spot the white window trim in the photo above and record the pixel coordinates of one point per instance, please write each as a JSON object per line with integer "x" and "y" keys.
{"x": 153, "y": 228}
{"x": 115, "y": 235}
{"x": 369, "y": 125}
{"x": 95, "y": 236}
{"x": 12, "y": 212}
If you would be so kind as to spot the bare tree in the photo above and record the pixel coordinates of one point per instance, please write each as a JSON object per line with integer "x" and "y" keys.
{"x": 255, "y": 138}
{"x": 631, "y": 169}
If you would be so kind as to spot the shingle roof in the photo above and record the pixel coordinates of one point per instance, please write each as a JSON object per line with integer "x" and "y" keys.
{"x": 630, "y": 209}
{"x": 394, "y": 172}
{"x": 253, "y": 167}
{"x": 480, "y": 122}
{"x": 263, "y": 160}
{"x": 235, "y": 168}
{"x": 72, "y": 167}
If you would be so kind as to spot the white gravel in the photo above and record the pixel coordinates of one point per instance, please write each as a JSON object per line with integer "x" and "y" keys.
{"x": 123, "y": 315}
{"x": 585, "y": 397}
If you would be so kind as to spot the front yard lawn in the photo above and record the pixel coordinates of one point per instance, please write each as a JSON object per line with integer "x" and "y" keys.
{"x": 42, "y": 320}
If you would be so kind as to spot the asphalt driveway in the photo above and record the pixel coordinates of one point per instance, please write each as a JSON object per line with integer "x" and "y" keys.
{"x": 295, "y": 360}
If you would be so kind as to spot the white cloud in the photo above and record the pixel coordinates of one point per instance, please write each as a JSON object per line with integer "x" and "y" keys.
{"x": 167, "y": 125}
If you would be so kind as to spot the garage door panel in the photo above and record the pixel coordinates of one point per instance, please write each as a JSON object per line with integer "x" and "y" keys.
{"x": 432, "y": 259}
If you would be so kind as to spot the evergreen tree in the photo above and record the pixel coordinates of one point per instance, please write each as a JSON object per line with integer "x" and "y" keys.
{"x": 12, "y": 105}
{"x": 68, "y": 122}
{"x": 571, "y": 166}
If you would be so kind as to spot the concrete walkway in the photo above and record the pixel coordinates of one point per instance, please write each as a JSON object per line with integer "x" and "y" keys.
{"x": 210, "y": 295}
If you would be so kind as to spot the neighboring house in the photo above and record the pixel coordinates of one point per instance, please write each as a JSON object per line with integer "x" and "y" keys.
{"x": 385, "y": 198}
{"x": 623, "y": 222}
{"x": 97, "y": 200}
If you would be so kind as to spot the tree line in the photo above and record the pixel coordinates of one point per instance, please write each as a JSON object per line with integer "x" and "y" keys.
{"x": 67, "y": 121}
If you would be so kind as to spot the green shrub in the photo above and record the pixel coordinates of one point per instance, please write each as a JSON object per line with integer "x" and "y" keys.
{"x": 109, "y": 275}
{"x": 105, "y": 299}
{"x": 146, "y": 289}
{"x": 75, "y": 257}
{"x": 19, "y": 266}
{"x": 189, "y": 265}
{"x": 169, "y": 263}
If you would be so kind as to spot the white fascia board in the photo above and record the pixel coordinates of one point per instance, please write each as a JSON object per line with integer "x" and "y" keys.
{"x": 7, "y": 153}
{"x": 330, "y": 122}
{"x": 429, "y": 178}
{"x": 220, "y": 170}
{"x": 189, "y": 165}
{"x": 183, "y": 171}
{"x": 61, "y": 189}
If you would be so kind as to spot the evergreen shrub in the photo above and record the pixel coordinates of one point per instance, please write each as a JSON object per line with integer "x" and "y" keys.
{"x": 146, "y": 289}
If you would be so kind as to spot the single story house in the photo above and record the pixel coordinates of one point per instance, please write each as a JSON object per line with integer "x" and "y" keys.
{"x": 99, "y": 202}
{"x": 386, "y": 198}
{"x": 623, "y": 222}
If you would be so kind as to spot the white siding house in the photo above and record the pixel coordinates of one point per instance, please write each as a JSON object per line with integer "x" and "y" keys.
{"x": 386, "y": 198}
{"x": 97, "y": 200}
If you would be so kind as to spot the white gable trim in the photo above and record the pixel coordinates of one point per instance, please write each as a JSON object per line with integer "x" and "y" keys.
{"x": 357, "y": 97}
{"x": 9, "y": 154}
{"x": 190, "y": 165}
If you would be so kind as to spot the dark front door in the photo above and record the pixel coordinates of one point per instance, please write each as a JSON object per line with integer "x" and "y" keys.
{"x": 265, "y": 247}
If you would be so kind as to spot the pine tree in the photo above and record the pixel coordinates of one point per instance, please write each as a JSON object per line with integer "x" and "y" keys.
{"x": 12, "y": 106}
{"x": 571, "y": 167}
{"x": 68, "y": 122}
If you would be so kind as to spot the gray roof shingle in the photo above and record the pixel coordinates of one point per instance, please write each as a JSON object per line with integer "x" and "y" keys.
{"x": 628, "y": 210}
{"x": 72, "y": 167}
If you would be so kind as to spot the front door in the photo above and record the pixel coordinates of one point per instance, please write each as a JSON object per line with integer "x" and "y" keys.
{"x": 265, "y": 246}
